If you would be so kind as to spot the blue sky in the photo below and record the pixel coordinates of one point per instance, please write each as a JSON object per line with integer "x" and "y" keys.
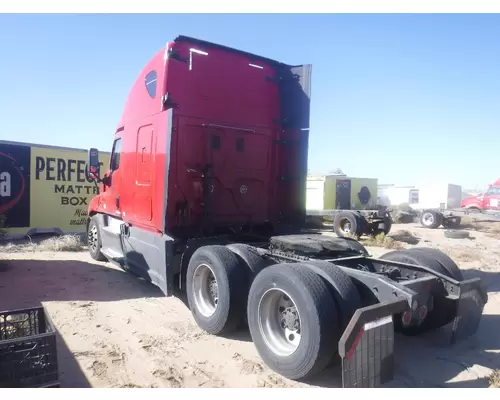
{"x": 401, "y": 98}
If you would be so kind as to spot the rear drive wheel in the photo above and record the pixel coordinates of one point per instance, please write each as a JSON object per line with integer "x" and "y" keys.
{"x": 387, "y": 221}
{"x": 342, "y": 289}
{"x": 446, "y": 262}
{"x": 387, "y": 225}
{"x": 293, "y": 320}
{"x": 253, "y": 260}
{"x": 443, "y": 311}
{"x": 217, "y": 287}
{"x": 94, "y": 240}
{"x": 452, "y": 222}
{"x": 431, "y": 219}
{"x": 348, "y": 223}
{"x": 251, "y": 257}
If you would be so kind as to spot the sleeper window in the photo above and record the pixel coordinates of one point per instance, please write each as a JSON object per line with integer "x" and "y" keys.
{"x": 115, "y": 156}
{"x": 150, "y": 82}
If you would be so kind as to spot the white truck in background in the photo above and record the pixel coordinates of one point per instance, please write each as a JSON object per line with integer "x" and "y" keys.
{"x": 435, "y": 203}
{"x": 394, "y": 195}
{"x": 438, "y": 195}
{"x": 440, "y": 204}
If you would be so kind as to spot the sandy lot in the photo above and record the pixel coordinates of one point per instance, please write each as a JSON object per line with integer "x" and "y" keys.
{"x": 116, "y": 330}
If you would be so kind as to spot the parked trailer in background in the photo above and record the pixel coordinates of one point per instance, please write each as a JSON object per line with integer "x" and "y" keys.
{"x": 351, "y": 203}
{"x": 44, "y": 189}
{"x": 205, "y": 196}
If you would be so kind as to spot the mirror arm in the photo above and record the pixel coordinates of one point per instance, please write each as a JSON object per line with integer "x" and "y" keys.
{"x": 96, "y": 183}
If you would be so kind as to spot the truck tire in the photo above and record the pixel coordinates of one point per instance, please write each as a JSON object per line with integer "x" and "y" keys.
{"x": 293, "y": 320}
{"x": 251, "y": 257}
{"x": 355, "y": 245}
{"x": 254, "y": 262}
{"x": 348, "y": 223}
{"x": 387, "y": 225}
{"x": 94, "y": 240}
{"x": 217, "y": 289}
{"x": 409, "y": 256}
{"x": 444, "y": 310}
{"x": 452, "y": 222}
{"x": 456, "y": 234}
{"x": 447, "y": 263}
{"x": 431, "y": 219}
{"x": 342, "y": 289}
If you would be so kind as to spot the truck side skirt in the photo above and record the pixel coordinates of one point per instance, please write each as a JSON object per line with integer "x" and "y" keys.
{"x": 148, "y": 254}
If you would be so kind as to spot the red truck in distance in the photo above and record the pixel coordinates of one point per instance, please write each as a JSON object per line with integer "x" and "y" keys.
{"x": 489, "y": 200}
{"x": 205, "y": 197}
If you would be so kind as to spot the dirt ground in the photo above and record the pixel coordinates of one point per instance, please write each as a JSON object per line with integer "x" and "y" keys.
{"x": 116, "y": 330}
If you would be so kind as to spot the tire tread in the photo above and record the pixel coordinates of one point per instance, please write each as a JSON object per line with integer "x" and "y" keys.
{"x": 321, "y": 302}
{"x": 237, "y": 286}
{"x": 344, "y": 292}
{"x": 98, "y": 256}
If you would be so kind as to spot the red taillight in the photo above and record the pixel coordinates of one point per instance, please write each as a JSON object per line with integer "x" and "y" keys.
{"x": 422, "y": 312}
{"x": 406, "y": 318}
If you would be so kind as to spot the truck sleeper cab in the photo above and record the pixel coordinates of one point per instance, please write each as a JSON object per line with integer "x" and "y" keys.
{"x": 205, "y": 195}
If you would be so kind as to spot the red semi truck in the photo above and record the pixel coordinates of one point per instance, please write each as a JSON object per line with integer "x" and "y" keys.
{"x": 204, "y": 196}
{"x": 487, "y": 201}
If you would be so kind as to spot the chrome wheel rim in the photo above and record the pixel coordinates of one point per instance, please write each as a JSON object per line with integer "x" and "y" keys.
{"x": 279, "y": 322}
{"x": 205, "y": 290}
{"x": 428, "y": 219}
{"x": 92, "y": 238}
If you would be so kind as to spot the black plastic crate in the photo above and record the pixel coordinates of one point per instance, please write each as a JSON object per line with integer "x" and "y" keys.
{"x": 28, "y": 350}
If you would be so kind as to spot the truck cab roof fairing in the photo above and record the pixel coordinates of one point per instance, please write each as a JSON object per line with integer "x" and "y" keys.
{"x": 139, "y": 102}
{"x": 205, "y": 43}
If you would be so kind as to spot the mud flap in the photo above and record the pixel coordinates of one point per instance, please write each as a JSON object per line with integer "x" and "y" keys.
{"x": 367, "y": 345}
{"x": 470, "y": 306}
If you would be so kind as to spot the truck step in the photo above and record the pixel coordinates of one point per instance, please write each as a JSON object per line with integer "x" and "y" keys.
{"x": 113, "y": 255}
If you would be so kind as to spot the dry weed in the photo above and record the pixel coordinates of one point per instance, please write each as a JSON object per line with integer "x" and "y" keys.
{"x": 461, "y": 255}
{"x": 393, "y": 241}
{"x": 62, "y": 243}
{"x": 55, "y": 244}
{"x": 494, "y": 230}
{"x": 381, "y": 240}
{"x": 491, "y": 228}
{"x": 405, "y": 236}
{"x": 403, "y": 214}
{"x": 494, "y": 379}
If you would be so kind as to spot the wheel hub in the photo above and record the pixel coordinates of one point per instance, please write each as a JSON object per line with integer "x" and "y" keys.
{"x": 213, "y": 289}
{"x": 290, "y": 319}
{"x": 346, "y": 225}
